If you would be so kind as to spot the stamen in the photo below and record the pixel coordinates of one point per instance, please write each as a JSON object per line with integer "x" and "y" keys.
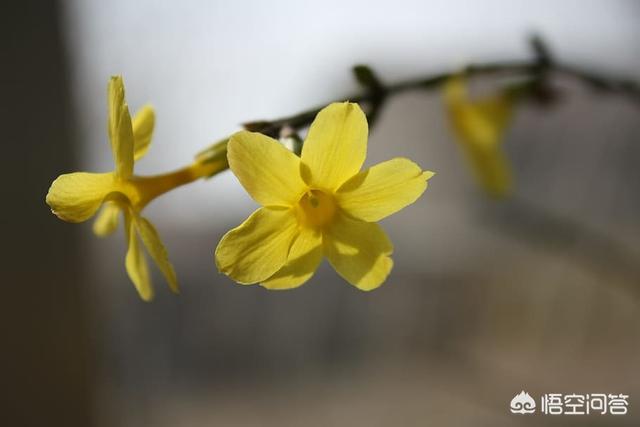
{"x": 316, "y": 209}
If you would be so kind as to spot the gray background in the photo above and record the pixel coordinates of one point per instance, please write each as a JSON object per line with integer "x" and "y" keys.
{"x": 486, "y": 298}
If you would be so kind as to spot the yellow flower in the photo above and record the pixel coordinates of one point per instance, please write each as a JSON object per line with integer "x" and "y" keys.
{"x": 76, "y": 197}
{"x": 479, "y": 126}
{"x": 319, "y": 204}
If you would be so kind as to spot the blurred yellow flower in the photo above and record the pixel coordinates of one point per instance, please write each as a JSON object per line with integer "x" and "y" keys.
{"x": 319, "y": 204}
{"x": 76, "y": 197}
{"x": 479, "y": 126}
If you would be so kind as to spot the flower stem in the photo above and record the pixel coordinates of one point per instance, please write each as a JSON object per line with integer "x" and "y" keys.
{"x": 151, "y": 187}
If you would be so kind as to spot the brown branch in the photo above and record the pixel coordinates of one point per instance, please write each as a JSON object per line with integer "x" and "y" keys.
{"x": 376, "y": 93}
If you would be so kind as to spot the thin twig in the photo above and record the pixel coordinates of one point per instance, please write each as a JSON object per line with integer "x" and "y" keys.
{"x": 538, "y": 69}
{"x": 535, "y": 72}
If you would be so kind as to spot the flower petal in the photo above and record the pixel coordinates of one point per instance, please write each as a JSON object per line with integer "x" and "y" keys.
{"x": 492, "y": 169}
{"x": 382, "y": 189}
{"x": 107, "y": 220}
{"x": 143, "y": 124}
{"x": 336, "y": 146}
{"x": 156, "y": 249}
{"x": 266, "y": 169}
{"x": 135, "y": 261}
{"x": 479, "y": 126}
{"x": 496, "y": 110}
{"x": 302, "y": 263}
{"x": 75, "y": 197}
{"x": 480, "y": 123}
{"x": 256, "y": 249}
{"x": 120, "y": 129}
{"x": 359, "y": 251}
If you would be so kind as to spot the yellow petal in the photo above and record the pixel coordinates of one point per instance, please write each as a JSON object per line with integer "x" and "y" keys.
{"x": 135, "y": 261}
{"x": 478, "y": 122}
{"x": 156, "y": 249}
{"x": 455, "y": 90}
{"x": 256, "y": 249}
{"x": 120, "y": 129}
{"x": 382, "y": 189}
{"x": 359, "y": 251}
{"x": 303, "y": 260}
{"x": 266, "y": 169}
{"x": 75, "y": 197}
{"x": 336, "y": 146}
{"x": 143, "y": 124}
{"x": 493, "y": 170}
{"x": 496, "y": 110}
{"x": 479, "y": 126}
{"x": 107, "y": 220}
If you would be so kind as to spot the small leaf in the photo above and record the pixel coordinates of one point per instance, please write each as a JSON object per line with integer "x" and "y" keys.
{"x": 377, "y": 92}
{"x": 541, "y": 51}
{"x": 367, "y": 78}
{"x": 256, "y": 126}
{"x": 215, "y": 153}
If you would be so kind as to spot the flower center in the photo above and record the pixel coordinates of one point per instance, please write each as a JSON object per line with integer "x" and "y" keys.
{"x": 316, "y": 209}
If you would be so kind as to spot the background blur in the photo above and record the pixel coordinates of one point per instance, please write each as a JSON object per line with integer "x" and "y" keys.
{"x": 538, "y": 293}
